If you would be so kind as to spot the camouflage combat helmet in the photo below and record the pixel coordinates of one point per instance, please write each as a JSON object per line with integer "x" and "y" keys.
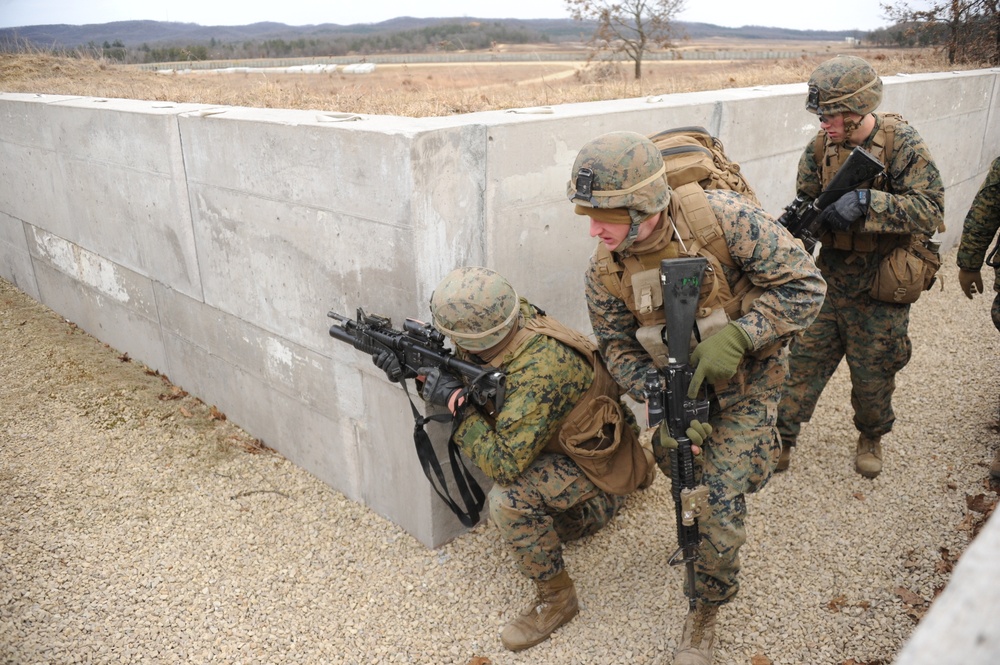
{"x": 620, "y": 170}
{"x": 476, "y": 307}
{"x": 842, "y": 84}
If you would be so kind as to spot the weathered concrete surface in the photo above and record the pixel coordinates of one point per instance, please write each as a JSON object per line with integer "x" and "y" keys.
{"x": 963, "y": 624}
{"x": 210, "y": 242}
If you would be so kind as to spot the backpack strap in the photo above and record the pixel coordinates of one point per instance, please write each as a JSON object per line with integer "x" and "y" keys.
{"x": 702, "y": 226}
{"x": 819, "y": 148}
{"x": 546, "y": 325}
{"x": 698, "y": 227}
{"x": 608, "y": 270}
{"x": 888, "y": 123}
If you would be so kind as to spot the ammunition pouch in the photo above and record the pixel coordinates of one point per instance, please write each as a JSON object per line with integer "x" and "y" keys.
{"x": 906, "y": 272}
{"x": 606, "y": 447}
{"x": 651, "y": 339}
{"x": 852, "y": 242}
{"x": 596, "y": 434}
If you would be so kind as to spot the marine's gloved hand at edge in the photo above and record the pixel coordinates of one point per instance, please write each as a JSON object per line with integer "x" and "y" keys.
{"x": 969, "y": 279}
{"x": 388, "y": 362}
{"x": 697, "y": 432}
{"x": 718, "y": 357}
{"x": 442, "y": 388}
{"x": 849, "y": 208}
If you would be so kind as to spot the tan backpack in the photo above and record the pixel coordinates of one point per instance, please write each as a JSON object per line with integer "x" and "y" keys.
{"x": 692, "y": 155}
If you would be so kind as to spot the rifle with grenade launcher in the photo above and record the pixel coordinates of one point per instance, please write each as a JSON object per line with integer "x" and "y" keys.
{"x": 419, "y": 347}
{"x": 420, "y": 351}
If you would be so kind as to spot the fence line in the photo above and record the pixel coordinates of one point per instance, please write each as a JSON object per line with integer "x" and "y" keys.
{"x": 423, "y": 58}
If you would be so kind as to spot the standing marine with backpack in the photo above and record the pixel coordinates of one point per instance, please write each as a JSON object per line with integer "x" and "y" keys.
{"x": 761, "y": 288}
{"x": 872, "y": 234}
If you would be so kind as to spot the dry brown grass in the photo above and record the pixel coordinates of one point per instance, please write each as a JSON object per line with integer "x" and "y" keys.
{"x": 429, "y": 89}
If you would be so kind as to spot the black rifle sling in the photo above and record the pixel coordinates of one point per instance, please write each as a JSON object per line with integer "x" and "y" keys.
{"x": 470, "y": 491}
{"x": 991, "y": 258}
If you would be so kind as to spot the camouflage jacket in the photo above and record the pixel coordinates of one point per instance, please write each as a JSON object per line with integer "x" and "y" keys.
{"x": 545, "y": 380}
{"x": 981, "y": 224}
{"x": 764, "y": 252}
{"x": 909, "y": 200}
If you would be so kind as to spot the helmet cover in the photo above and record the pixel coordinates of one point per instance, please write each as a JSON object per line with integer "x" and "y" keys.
{"x": 844, "y": 84}
{"x": 476, "y": 307}
{"x": 620, "y": 170}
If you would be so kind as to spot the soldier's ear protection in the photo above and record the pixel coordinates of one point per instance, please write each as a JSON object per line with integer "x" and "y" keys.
{"x": 585, "y": 185}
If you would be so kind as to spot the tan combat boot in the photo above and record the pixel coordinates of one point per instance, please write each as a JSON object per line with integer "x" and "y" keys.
{"x": 868, "y": 460}
{"x": 555, "y": 605}
{"x": 995, "y": 467}
{"x": 698, "y": 639}
{"x": 786, "y": 456}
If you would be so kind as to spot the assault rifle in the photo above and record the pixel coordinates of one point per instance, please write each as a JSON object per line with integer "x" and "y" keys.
{"x": 666, "y": 399}
{"x": 802, "y": 216}
{"x": 419, "y": 348}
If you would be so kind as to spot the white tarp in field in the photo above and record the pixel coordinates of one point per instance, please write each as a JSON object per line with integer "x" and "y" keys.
{"x": 359, "y": 68}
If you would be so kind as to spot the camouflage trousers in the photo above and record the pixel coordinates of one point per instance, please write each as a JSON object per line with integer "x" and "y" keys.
{"x": 873, "y": 337}
{"x": 550, "y": 503}
{"x": 738, "y": 459}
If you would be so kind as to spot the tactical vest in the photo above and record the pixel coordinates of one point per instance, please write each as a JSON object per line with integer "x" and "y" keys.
{"x": 830, "y": 157}
{"x": 833, "y": 155}
{"x": 690, "y": 228}
{"x": 595, "y": 434}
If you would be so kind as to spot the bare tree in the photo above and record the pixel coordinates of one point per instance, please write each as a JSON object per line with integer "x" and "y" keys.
{"x": 970, "y": 29}
{"x": 628, "y": 26}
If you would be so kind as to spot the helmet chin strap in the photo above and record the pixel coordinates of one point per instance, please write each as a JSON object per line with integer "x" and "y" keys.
{"x": 633, "y": 233}
{"x": 637, "y": 217}
{"x": 851, "y": 126}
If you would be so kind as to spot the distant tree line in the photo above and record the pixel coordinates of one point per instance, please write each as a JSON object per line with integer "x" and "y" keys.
{"x": 969, "y": 30}
{"x": 445, "y": 37}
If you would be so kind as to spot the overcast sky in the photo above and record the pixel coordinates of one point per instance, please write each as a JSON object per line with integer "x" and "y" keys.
{"x": 796, "y": 14}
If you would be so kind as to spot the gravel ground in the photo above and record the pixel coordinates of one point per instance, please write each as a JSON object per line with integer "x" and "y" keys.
{"x": 138, "y": 525}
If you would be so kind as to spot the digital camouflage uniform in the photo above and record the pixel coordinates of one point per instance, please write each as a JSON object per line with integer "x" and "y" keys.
{"x": 872, "y": 334}
{"x": 742, "y": 450}
{"x": 538, "y": 500}
{"x": 981, "y": 225}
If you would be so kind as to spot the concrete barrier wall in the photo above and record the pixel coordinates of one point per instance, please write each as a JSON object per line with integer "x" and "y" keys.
{"x": 961, "y": 626}
{"x": 210, "y": 242}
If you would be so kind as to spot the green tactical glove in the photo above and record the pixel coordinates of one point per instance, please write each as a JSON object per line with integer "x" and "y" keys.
{"x": 718, "y": 357}
{"x": 968, "y": 279}
{"x": 697, "y": 432}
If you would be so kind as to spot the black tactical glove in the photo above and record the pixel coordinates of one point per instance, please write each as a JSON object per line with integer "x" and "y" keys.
{"x": 849, "y": 208}
{"x": 439, "y": 387}
{"x": 388, "y": 362}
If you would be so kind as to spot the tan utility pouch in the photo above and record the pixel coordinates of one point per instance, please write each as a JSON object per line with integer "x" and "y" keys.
{"x": 605, "y": 447}
{"x": 647, "y": 291}
{"x": 905, "y": 272}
